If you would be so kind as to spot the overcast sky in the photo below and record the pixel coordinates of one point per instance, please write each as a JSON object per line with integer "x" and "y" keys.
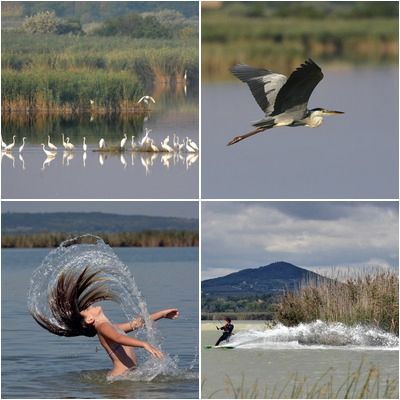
{"x": 238, "y": 235}
{"x": 183, "y": 209}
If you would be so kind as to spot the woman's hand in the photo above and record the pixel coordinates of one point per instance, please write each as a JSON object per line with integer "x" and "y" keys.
{"x": 153, "y": 351}
{"x": 171, "y": 313}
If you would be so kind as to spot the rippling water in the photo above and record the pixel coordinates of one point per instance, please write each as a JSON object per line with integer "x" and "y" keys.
{"x": 38, "y": 364}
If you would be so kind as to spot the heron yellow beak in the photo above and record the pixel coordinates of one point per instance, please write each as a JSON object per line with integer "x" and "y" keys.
{"x": 332, "y": 112}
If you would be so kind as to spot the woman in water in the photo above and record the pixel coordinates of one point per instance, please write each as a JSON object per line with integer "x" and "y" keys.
{"x": 71, "y": 305}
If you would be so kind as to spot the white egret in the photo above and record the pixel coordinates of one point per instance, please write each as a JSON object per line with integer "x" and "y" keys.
{"x": 146, "y": 99}
{"x": 193, "y": 145}
{"x": 123, "y": 141}
{"x": 65, "y": 144}
{"x": 47, "y": 152}
{"x": 22, "y": 145}
{"x": 189, "y": 149}
{"x": 84, "y": 146}
{"x": 165, "y": 146}
{"x": 10, "y": 146}
{"x": 50, "y": 145}
{"x": 153, "y": 147}
{"x": 102, "y": 143}
{"x": 145, "y": 142}
{"x": 70, "y": 146}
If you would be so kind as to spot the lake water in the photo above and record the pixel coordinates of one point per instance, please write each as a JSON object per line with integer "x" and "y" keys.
{"x": 270, "y": 361}
{"x": 354, "y": 155}
{"x": 93, "y": 175}
{"x": 37, "y": 364}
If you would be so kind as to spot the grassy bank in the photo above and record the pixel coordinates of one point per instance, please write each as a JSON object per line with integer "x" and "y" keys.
{"x": 63, "y": 73}
{"x": 371, "y": 299}
{"x": 282, "y": 43}
{"x": 123, "y": 239}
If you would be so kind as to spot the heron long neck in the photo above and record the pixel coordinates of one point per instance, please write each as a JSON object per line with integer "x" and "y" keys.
{"x": 314, "y": 119}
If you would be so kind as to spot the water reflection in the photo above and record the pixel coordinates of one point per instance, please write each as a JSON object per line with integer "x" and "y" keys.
{"x": 147, "y": 159}
{"x": 54, "y": 164}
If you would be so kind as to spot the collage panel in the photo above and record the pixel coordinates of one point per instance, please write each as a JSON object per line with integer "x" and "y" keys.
{"x": 300, "y": 299}
{"x": 74, "y": 270}
{"x": 273, "y": 70}
{"x": 100, "y": 100}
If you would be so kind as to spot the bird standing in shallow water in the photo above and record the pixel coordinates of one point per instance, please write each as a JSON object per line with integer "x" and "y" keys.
{"x": 284, "y": 100}
{"x": 22, "y": 145}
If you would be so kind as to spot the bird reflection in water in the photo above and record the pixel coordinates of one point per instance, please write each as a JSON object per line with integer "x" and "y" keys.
{"x": 47, "y": 161}
{"x": 9, "y": 156}
{"x": 21, "y": 158}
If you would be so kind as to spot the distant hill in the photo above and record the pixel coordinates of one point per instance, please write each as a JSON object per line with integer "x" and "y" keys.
{"x": 267, "y": 280}
{"x": 81, "y": 222}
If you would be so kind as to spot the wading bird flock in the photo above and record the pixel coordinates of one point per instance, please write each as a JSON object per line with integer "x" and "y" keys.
{"x": 169, "y": 151}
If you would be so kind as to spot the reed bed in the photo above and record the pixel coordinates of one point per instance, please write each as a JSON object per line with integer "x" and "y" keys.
{"x": 283, "y": 43}
{"x": 79, "y": 73}
{"x": 172, "y": 238}
{"x": 371, "y": 299}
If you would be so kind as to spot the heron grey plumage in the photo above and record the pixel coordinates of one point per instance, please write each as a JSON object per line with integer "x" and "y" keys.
{"x": 283, "y": 100}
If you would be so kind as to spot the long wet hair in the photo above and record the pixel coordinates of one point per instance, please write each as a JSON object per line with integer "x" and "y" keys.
{"x": 73, "y": 293}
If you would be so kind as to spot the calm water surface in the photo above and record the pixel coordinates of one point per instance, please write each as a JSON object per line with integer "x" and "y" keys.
{"x": 37, "y": 364}
{"x": 278, "y": 363}
{"x": 354, "y": 155}
{"x": 31, "y": 174}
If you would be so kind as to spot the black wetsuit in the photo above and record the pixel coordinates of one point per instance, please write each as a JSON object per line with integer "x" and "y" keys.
{"x": 227, "y": 328}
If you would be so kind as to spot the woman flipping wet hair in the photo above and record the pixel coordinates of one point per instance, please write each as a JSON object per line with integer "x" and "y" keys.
{"x": 73, "y": 314}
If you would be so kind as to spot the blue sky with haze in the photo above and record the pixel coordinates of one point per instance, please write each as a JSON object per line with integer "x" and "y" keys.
{"x": 238, "y": 235}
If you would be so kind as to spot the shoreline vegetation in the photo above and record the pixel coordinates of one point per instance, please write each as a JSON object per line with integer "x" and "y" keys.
{"x": 54, "y": 66}
{"x": 283, "y": 37}
{"x": 365, "y": 381}
{"x": 148, "y": 238}
{"x": 368, "y": 299}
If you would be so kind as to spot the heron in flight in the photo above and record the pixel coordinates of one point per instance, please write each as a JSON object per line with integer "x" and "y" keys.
{"x": 284, "y": 100}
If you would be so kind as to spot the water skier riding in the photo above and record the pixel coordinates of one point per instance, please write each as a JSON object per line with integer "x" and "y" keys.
{"x": 227, "y": 328}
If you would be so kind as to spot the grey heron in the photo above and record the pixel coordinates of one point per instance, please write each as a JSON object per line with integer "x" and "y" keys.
{"x": 284, "y": 100}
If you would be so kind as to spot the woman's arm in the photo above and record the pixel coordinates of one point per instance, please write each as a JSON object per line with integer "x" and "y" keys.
{"x": 109, "y": 332}
{"x": 170, "y": 313}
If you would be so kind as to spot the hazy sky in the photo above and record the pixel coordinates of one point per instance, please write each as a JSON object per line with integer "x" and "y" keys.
{"x": 183, "y": 209}
{"x": 237, "y": 235}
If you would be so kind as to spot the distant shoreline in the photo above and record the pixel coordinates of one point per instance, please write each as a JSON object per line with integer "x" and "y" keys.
{"x": 173, "y": 238}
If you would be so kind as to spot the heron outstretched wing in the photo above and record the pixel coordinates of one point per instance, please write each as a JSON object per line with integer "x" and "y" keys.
{"x": 264, "y": 84}
{"x": 298, "y": 88}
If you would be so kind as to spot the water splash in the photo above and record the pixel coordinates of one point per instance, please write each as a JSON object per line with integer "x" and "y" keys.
{"x": 316, "y": 334}
{"x": 76, "y": 254}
